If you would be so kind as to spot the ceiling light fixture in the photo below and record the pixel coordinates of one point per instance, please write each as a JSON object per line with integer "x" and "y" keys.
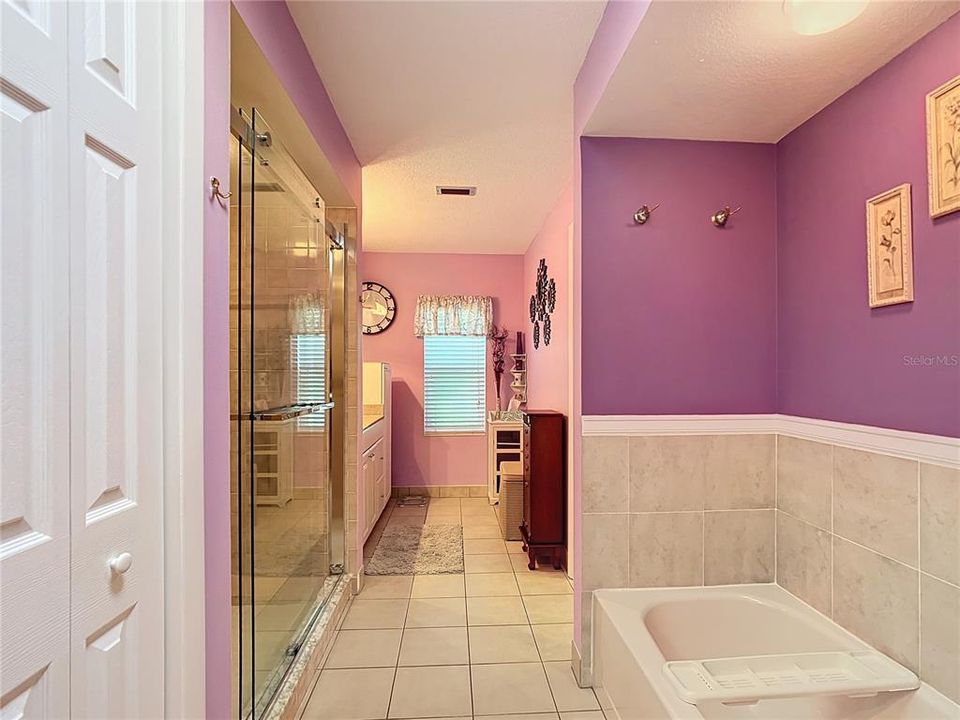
{"x": 815, "y": 17}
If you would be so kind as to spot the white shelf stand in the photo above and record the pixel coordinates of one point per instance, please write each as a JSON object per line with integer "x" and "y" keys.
{"x": 504, "y": 444}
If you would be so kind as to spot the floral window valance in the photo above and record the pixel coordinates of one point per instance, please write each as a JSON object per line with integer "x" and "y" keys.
{"x": 305, "y": 314}
{"x": 453, "y": 315}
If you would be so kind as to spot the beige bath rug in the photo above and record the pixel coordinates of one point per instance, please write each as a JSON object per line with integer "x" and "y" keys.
{"x": 418, "y": 550}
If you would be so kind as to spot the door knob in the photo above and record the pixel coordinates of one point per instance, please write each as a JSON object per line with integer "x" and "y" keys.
{"x": 121, "y": 563}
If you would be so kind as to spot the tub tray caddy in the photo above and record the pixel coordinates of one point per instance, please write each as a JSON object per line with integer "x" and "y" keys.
{"x": 746, "y": 680}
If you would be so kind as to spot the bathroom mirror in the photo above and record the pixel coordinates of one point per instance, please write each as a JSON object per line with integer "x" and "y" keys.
{"x": 378, "y": 306}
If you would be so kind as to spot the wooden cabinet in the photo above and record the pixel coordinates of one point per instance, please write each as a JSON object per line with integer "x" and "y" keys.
{"x": 544, "y": 527}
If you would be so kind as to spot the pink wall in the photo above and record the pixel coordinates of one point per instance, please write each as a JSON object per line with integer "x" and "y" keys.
{"x": 679, "y": 316}
{"x": 840, "y": 360}
{"x": 446, "y": 460}
{"x": 274, "y": 30}
{"x": 547, "y": 365}
{"x": 216, "y": 358}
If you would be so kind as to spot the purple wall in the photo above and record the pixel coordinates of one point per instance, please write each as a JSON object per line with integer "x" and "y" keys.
{"x": 771, "y": 314}
{"x": 216, "y": 357}
{"x": 840, "y": 360}
{"x": 678, "y": 316}
{"x": 273, "y": 28}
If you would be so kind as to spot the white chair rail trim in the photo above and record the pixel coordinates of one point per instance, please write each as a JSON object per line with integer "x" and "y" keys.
{"x": 937, "y": 449}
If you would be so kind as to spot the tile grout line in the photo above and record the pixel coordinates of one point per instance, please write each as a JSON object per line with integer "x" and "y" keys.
{"x": 919, "y": 586}
{"x": 514, "y": 573}
{"x": 834, "y": 535}
{"x": 629, "y": 578}
{"x": 833, "y": 544}
{"x": 704, "y": 511}
{"x": 703, "y": 548}
{"x": 466, "y": 620}
{"x": 396, "y": 668}
{"x": 924, "y": 573}
{"x": 776, "y": 506}
{"x": 536, "y": 645}
{"x": 805, "y": 522}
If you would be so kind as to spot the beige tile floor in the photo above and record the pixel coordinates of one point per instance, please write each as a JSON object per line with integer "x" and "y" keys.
{"x": 491, "y": 643}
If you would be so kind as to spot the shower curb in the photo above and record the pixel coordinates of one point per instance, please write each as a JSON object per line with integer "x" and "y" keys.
{"x": 297, "y": 685}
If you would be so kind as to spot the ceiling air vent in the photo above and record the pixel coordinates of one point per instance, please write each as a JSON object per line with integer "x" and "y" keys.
{"x": 456, "y": 190}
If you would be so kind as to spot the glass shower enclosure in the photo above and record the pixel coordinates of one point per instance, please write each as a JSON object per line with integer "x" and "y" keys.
{"x": 287, "y": 543}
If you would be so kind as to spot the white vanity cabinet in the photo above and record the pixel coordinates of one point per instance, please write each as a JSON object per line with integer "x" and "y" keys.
{"x": 373, "y": 473}
{"x": 375, "y": 477}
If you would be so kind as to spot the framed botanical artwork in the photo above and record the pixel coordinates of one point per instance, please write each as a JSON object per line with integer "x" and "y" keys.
{"x": 943, "y": 147}
{"x": 890, "y": 247}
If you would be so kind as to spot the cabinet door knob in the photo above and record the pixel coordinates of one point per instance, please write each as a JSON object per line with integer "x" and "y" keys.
{"x": 121, "y": 563}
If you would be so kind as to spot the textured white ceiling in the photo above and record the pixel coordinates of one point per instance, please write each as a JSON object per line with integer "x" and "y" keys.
{"x": 453, "y": 93}
{"x": 736, "y": 71}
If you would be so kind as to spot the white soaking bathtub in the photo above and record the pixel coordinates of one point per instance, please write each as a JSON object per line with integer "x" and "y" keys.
{"x": 649, "y": 644}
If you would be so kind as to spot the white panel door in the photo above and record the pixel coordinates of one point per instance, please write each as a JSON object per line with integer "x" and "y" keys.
{"x": 34, "y": 363}
{"x": 115, "y": 369}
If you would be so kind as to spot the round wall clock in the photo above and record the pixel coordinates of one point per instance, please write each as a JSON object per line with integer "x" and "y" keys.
{"x": 378, "y": 307}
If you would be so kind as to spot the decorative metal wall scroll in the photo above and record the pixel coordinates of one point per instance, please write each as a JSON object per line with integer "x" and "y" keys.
{"x": 542, "y": 304}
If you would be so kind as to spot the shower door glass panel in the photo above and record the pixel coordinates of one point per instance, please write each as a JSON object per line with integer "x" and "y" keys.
{"x": 284, "y": 428}
{"x": 290, "y": 432}
{"x": 241, "y": 516}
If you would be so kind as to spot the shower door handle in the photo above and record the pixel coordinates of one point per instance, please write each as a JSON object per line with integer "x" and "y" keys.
{"x": 314, "y": 408}
{"x": 288, "y": 412}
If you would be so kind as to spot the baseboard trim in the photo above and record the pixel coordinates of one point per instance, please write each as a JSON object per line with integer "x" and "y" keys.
{"x": 580, "y": 672}
{"x": 441, "y": 491}
{"x": 936, "y": 449}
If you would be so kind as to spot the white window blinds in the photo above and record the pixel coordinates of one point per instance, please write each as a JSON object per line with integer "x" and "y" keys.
{"x": 309, "y": 355}
{"x": 454, "y": 383}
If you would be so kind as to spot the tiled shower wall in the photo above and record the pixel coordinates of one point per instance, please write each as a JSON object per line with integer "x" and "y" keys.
{"x": 341, "y": 217}
{"x": 287, "y": 257}
{"x": 871, "y": 540}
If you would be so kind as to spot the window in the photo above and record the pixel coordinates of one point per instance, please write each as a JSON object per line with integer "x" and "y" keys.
{"x": 454, "y": 383}
{"x": 309, "y": 359}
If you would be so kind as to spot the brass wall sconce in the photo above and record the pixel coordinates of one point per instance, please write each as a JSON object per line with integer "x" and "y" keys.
{"x": 720, "y": 217}
{"x": 643, "y": 214}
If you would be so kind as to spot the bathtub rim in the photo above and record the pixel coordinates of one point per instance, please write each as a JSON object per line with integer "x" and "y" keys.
{"x": 638, "y": 642}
